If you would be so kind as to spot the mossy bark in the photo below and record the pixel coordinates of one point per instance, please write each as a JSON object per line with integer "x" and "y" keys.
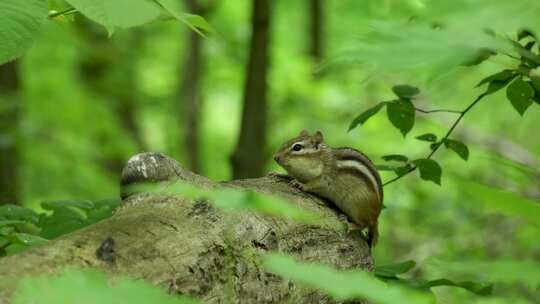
{"x": 189, "y": 247}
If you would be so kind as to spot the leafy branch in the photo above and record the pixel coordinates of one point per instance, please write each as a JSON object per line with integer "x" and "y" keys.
{"x": 522, "y": 89}
{"x": 444, "y": 139}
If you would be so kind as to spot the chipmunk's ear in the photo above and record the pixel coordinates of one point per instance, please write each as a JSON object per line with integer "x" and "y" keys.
{"x": 304, "y": 133}
{"x": 318, "y": 137}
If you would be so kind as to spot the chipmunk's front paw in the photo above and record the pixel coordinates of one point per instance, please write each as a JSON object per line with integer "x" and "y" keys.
{"x": 295, "y": 183}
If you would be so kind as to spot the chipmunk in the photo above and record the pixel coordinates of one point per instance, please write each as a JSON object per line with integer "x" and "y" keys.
{"x": 343, "y": 175}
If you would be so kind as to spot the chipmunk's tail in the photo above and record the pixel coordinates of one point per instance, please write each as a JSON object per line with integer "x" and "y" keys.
{"x": 373, "y": 234}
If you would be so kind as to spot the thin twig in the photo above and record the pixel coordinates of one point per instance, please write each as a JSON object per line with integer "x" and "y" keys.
{"x": 440, "y": 143}
{"x": 67, "y": 11}
{"x": 438, "y": 110}
{"x": 510, "y": 55}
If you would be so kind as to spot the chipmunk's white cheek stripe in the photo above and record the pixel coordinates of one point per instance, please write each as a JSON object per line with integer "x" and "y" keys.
{"x": 304, "y": 151}
{"x": 362, "y": 168}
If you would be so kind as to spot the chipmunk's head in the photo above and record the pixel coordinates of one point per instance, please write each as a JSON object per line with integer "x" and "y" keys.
{"x": 301, "y": 156}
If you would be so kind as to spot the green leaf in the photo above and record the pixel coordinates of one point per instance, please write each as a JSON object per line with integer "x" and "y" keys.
{"x": 481, "y": 56}
{"x": 3, "y": 242}
{"x": 497, "y": 77}
{"x": 520, "y": 94}
{"x": 524, "y": 34}
{"x": 195, "y": 22}
{"x": 114, "y": 14}
{"x": 20, "y": 21}
{"x": 364, "y": 116}
{"x": 395, "y": 157}
{"x": 343, "y": 285}
{"x": 28, "y": 239}
{"x": 10, "y": 222}
{"x": 427, "y": 137}
{"x": 401, "y": 114}
{"x": 536, "y": 97}
{"x": 7, "y": 230}
{"x": 497, "y": 81}
{"x": 434, "y": 145}
{"x": 429, "y": 170}
{"x": 63, "y": 220}
{"x": 14, "y": 212}
{"x": 457, "y": 146}
{"x": 405, "y": 91}
{"x": 83, "y": 204}
{"x": 481, "y": 289}
{"x": 15, "y": 248}
{"x": 85, "y": 286}
{"x": 400, "y": 171}
{"x": 535, "y": 80}
{"x": 391, "y": 270}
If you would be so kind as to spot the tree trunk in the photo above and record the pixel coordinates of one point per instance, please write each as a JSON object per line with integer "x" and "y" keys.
{"x": 316, "y": 29}
{"x": 190, "y": 92}
{"x": 193, "y": 248}
{"x": 109, "y": 71}
{"x": 9, "y": 133}
{"x": 250, "y": 155}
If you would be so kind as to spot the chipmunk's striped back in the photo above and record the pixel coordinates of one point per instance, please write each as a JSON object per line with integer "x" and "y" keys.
{"x": 354, "y": 162}
{"x": 350, "y": 158}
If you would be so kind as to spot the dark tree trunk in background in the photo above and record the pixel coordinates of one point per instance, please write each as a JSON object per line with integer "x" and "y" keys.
{"x": 190, "y": 99}
{"x": 316, "y": 29}
{"x": 109, "y": 71}
{"x": 9, "y": 133}
{"x": 249, "y": 157}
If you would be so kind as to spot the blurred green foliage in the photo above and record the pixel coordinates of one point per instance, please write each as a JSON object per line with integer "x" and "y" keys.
{"x": 22, "y": 228}
{"x": 480, "y": 225}
{"x": 91, "y": 286}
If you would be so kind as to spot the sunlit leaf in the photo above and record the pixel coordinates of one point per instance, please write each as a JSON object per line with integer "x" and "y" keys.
{"x": 520, "y": 94}
{"x": 234, "y": 199}
{"x": 114, "y": 14}
{"x": 91, "y": 286}
{"x": 429, "y": 170}
{"x": 401, "y": 114}
{"x": 20, "y": 21}
{"x": 342, "y": 285}
{"x": 364, "y": 116}
{"x": 195, "y": 22}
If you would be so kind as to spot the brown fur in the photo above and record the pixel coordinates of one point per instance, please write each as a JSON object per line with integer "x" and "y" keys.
{"x": 315, "y": 166}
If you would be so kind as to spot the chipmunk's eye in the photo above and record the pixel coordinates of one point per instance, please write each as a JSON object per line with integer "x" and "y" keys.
{"x": 297, "y": 147}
